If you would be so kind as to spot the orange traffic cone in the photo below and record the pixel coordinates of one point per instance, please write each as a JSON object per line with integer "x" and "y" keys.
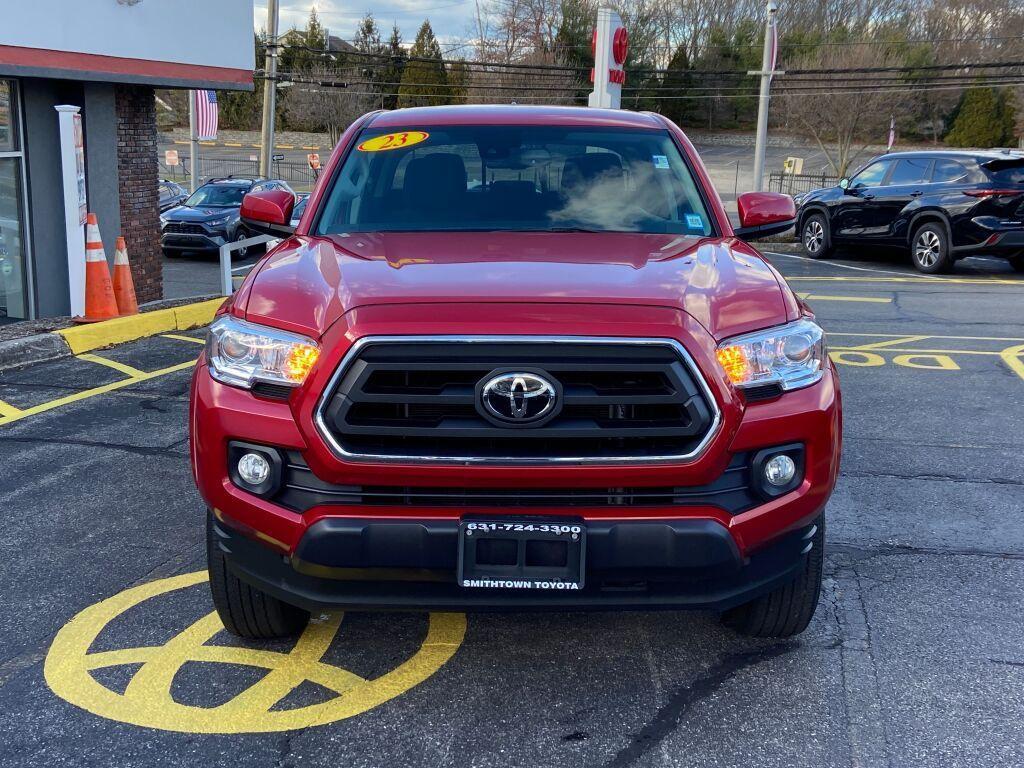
{"x": 124, "y": 286}
{"x": 99, "y": 293}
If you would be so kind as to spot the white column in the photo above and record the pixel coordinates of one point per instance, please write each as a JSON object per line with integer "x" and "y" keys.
{"x": 762, "y": 103}
{"x": 606, "y": 94}
{"x": 72, "y": 163}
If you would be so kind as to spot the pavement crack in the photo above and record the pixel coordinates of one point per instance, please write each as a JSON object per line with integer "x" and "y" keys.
{"x": 885, "y": 550}
{"x": 867, "y": 733}
{"x": 1007, "y": 662}
{"x": 668, "y": 717}
{"x": 136, "y": 449}
{"x": 934, "y": 476}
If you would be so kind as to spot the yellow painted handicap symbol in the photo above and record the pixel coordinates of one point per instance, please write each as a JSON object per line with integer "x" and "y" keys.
{"x": 147, "y": 700}
{"x": 393, "y": 141}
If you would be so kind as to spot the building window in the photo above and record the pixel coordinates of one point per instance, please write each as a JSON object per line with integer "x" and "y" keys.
{"x": 14, "y": 303}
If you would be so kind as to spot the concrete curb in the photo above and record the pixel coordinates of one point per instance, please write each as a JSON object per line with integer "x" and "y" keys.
{"x": 26, "y": 350}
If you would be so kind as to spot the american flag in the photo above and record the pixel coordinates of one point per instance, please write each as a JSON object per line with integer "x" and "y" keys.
{"x": 206, "y": 114}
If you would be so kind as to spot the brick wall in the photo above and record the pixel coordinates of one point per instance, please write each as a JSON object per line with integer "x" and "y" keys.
{"x": 139, "y": 196}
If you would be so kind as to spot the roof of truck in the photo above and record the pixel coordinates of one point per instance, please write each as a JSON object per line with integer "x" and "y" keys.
{"x": 513, "y": 114}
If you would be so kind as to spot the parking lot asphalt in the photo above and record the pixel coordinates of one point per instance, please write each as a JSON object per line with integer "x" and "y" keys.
{"x": 107, "y": 657}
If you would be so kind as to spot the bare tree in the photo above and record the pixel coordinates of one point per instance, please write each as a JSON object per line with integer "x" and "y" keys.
{"x": 844, "y": 120}
{"x": 327, "y": 100}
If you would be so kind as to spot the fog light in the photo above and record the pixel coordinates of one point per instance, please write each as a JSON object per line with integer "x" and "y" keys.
{"x": 778, "y": 470}
{"x": 254, "y": 469}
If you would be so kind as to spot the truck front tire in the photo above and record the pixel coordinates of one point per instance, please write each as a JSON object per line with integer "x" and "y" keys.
{"x": 246, "y": 611}
{"x": 787, "y": 610}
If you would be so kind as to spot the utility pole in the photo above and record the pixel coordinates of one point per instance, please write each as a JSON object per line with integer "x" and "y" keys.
{"x": 767, "y": 70}
{"x": 269, "y": 90}
{"x": 193, "y": 159}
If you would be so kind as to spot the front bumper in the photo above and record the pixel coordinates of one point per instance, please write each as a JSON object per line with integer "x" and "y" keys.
{"x": 181, "y": 241}
{"x": 348, "y": 563}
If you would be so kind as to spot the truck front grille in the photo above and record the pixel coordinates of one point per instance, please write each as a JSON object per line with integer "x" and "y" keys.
{"x": 183, "y": 228}
{"x": 302, "y": 490}
{"x": 418, "y": 400}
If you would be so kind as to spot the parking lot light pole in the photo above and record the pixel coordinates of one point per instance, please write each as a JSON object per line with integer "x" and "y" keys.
{"x": 269, "y": 90}
{"x": 767, "y": 70}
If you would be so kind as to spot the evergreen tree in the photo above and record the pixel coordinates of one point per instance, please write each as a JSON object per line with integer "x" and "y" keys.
{"x": 1006, "y": 116}
{"x": 678, "y": 82}
{"x": 978, "y": 122}
{"x": 573, "y": 39}
{"x": 424, "y": 82}
{"x": 371, "y": 67}
{"x": 242, "y": 110}
{"x": 392, "y": 73}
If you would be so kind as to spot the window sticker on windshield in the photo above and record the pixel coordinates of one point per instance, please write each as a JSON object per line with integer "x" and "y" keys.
{"x": 694, "y": 221}
{"x": 393, "y": 141}
{"x": 660, "y": 161}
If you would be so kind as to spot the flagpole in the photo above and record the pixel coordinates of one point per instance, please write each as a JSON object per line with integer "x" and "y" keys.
{"x": 194, "y": 141}
{"x": 767, "y": 65}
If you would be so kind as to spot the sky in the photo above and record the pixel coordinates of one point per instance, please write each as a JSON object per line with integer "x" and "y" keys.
{"x": 451, "y": 19}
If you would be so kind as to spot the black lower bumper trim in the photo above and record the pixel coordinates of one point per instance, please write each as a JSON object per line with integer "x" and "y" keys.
{"x": 375, "y": 564}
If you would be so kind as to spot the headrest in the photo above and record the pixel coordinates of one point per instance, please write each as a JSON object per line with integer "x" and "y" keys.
{"x": 585, "y": 168}
{"x": 437, "y": 177}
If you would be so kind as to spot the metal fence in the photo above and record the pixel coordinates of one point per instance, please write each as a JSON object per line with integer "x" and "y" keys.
{"x": 795, "y": 183}
{"x": 298, "y": 175}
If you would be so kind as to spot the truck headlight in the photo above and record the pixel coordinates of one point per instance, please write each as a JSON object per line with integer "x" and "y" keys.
{"x": 241, "y": 353}
{"x": 791, "y": 355}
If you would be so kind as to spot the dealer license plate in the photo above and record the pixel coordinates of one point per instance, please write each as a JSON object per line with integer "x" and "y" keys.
{"x": 522, "y": 553}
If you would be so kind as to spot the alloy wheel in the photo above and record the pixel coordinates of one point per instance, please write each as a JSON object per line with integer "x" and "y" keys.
{"x": 927, "y": 249}
{"x": 814, "y": 236}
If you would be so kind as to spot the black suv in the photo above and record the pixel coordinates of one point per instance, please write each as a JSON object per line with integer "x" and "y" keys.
{"x": 209, "y": 217}
{"x": 941, "y": 206}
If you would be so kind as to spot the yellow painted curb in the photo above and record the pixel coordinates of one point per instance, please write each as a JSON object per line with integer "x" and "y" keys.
{"x": 85, "y": 338}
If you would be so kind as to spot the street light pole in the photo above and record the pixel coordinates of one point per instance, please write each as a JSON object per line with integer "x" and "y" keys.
{"x": 767, "y": 65}
{"x": 269, "y": 90}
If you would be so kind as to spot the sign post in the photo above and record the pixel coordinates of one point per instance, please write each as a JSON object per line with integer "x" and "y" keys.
{"x": 769, "y": 59}
{"x": 72, "y": 163}
{"x": 611, "y": 43}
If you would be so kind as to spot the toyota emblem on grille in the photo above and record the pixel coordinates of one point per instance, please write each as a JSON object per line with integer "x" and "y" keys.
{"x": 518, "y": 397}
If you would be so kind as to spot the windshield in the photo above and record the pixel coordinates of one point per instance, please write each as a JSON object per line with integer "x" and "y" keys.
{"x": 519, "y": 178}
{"x": 217, "y": 196}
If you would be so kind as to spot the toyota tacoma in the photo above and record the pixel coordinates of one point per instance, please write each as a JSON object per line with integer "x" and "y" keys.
{"x": 515, "y": 358}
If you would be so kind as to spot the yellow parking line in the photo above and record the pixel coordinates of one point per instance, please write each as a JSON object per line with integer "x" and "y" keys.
{"x": 125, "y": 369}
{"x": 890, "y": 342}
{"x": 1011, "y": 356}
{"x": 193, "y": 339}
{"x": 305, "y": 147}
{"x": 6, "y": 409}
{"x": 284, "y": 146}
{"x": 176, "y": 141}
{"x": 867, "y": 299}
{"x": 232, "y": 144}
{"x": 87, "y": 393}
{"x": 898, "y": 350}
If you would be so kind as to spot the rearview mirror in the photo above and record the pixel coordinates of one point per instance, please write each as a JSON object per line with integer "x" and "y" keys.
{"x": 763, "y": 214}
{"x": 844, "y": 183}
{"x": 269, "y": 212}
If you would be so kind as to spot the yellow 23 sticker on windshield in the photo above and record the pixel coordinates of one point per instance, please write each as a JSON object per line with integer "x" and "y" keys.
{"x": 393, "y": 141}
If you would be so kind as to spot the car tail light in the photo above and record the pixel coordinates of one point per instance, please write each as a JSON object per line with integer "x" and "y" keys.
{"x": 993, "y": 192}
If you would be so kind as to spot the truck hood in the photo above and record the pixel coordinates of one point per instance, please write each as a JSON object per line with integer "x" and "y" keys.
{"x": 308, "y": 283}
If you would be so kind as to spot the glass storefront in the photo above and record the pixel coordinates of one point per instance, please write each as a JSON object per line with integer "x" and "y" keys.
{"x": 13, "y": 246}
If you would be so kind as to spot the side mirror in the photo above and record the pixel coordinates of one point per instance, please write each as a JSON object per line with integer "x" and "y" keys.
{"x": 844, "y": 183}
{"x": 269, "y": 212}
{"x": 763, "y": 214}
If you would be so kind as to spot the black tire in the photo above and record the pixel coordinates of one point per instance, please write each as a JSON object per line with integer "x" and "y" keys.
{"x": 246, "y": 611}
{"x": 929, "y": 249}
{"x": 171, "y": 254}
{"x": 240, "y": 234}
{"x": 1017, "y": 263}
{"x": 788, "y": 610}
{"x": 815, "y": 236}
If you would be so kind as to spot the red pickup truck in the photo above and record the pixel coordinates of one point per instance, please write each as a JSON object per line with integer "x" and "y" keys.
{"x": 515, "y": 358}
